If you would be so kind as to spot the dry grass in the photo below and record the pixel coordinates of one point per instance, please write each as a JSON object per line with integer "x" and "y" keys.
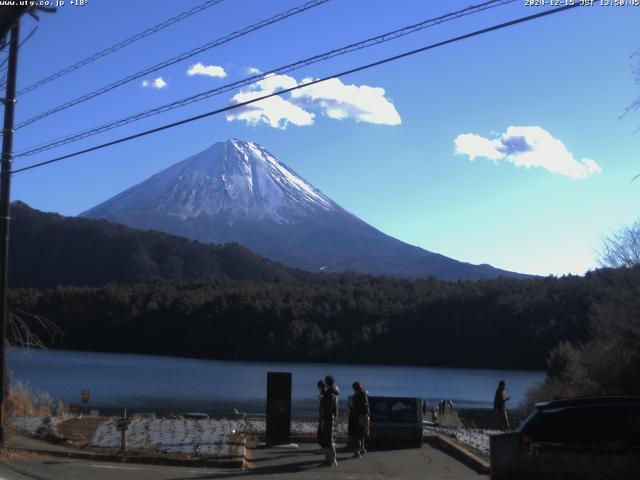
{"x": 79, "y": 431}
{"x": 26, "y": 401}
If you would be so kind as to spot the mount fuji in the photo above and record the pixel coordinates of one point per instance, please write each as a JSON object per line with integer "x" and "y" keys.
{"x": 236, "y": 191}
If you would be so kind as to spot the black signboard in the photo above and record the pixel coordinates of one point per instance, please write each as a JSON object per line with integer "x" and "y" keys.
{"x": 123, "y": 424}
{"x": 395, "y": 410}
{"x": 278, "y": 406}
{"x": 396, "y": 421}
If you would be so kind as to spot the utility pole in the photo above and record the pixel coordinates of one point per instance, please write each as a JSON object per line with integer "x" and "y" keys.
{"x": 5, "y": 199}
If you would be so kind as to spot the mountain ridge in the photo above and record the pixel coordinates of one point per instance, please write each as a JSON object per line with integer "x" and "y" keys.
{"x": 48, "y": 249}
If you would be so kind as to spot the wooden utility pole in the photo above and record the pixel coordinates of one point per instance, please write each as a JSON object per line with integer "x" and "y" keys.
{"x": 5, "y": 199}
{"x": 123, "y": 426}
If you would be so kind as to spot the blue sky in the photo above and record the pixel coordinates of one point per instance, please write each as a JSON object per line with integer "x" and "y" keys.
{"x": 506, "y": 148}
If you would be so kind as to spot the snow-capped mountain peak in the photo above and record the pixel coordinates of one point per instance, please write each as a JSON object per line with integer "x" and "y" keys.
{"x": 236, "y": 178}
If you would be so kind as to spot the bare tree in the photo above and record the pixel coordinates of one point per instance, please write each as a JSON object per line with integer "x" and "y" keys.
{"x": 635, "y": 106}
{"x": 622, "y": 248}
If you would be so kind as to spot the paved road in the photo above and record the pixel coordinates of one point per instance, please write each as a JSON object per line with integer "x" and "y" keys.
{"x": 271, "y": 463}
{"x": 50, "y": 468}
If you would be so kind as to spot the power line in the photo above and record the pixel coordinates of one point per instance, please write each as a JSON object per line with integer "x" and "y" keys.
{"x": 256, "y": 78}
{"x": 297, "y": 87}
{"x": 179, "y": 58}
{"x": 122, "y": 44}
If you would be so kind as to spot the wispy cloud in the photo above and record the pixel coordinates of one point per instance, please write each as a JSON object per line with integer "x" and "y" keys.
{"x": 206, "y": 70}
{"x": 158, "y": 83}
{"x": 527, "y": 147}
{"x": 332, "y": 98}
{"x": 252, "y": 71}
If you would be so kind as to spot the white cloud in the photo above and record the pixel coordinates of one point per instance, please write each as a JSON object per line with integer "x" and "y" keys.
{"x": 339, "y": 101}
{"x": 527, "y": 147}
{"x": 252, "y": 71}
{"x": 476, "y": 146}
{"x": 335, "y": 99}
{"x": 207, "y": 70}
{"x": 275, "y": 111}
{"x": 158, "y": 83}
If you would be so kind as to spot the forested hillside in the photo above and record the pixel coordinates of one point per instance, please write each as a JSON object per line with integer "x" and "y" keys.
{"x": 504, "y": 323}
{"x": 149, "y": 292}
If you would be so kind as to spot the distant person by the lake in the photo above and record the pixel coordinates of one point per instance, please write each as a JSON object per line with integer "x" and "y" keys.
{"x": 328, "y": 416}
{"x": 434, "y": 415}
{"x": 450, "y": 403}
{"x": 500, "y": 405}
{"x": 359, "y": 418}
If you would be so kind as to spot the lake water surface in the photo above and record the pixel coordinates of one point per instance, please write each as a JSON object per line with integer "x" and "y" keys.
{"x": 146, "y": 382}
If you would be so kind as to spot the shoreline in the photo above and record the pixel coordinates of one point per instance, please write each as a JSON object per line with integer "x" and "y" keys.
{"x": 286, "y": 362}
{"x": 304, "y": 410}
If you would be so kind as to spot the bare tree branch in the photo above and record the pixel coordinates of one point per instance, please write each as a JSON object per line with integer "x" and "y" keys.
{"x": 635, "y": 105}
{"x": 22, "y": 326}
{"x": 622, "y": 248}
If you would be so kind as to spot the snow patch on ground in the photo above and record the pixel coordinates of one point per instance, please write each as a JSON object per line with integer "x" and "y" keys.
{"x": 477, "y": 439}
{"x": 211, "y": 437}
{"x": 205, "y": 437}
{"x": 297, "y": 426}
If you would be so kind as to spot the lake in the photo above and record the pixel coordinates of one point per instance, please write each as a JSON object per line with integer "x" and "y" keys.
{"x": 163, "y": 384}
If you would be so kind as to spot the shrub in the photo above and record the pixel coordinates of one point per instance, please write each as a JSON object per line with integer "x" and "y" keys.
{"x": 26, "y": 401}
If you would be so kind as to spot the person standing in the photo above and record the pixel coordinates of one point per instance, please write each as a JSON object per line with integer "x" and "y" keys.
{"x": 328, "y": 416}
{"x": 360, "y": 414}
{"x": 321, "y": 388}
{"x": 500, "y": 405}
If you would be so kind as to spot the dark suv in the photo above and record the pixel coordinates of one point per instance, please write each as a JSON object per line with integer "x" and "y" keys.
{"x": 597, "y": 424}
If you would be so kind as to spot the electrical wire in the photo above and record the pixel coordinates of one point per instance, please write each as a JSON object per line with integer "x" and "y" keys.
{"x": 298, "y": 87}
{"x": 256, "y": 78}
{"x": 176, "y": 59}
{"x": 120, "y": 45}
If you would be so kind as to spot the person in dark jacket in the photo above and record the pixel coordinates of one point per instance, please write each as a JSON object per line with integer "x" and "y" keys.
{"x": 321, "y": 388}
{"x": 359, "y": 418}
{"x": 328, "y": 416}
{"x": 500, "y": 405}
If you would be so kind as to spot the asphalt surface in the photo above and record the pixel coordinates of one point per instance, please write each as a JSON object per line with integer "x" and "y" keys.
{"x": 276, "y": 462}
